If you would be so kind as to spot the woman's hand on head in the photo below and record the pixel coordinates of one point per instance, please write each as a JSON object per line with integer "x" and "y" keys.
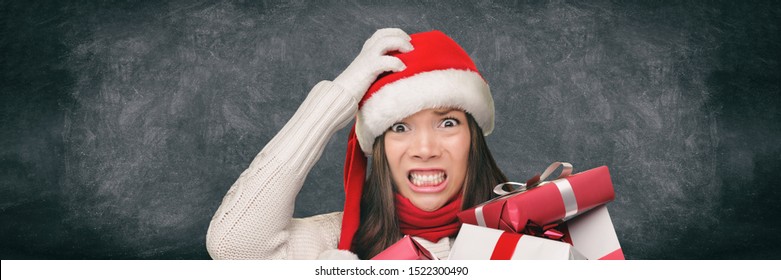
{"x": 373, "y": 61}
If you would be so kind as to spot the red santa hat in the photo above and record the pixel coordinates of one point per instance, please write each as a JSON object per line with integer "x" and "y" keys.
{"x": 439, "y": 74}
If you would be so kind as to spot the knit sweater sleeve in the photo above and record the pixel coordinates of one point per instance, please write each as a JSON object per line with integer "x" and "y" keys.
{"x": 255, "y": 220}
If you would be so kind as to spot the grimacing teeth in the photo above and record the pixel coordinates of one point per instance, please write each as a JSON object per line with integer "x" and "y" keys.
{"x": 427, "y": 180}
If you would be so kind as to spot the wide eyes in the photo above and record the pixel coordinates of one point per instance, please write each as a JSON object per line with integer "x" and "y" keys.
{"x": 447, "y": 122}
{"x": 399, "y": 127}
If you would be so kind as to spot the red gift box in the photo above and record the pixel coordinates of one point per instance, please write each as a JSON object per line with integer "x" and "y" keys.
{"x": 480, "y": 243}
{"x": 405, "y": 249}
{"x": 544, "y": 203}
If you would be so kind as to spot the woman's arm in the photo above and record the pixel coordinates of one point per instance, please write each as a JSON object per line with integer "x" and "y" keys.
{"x": 254, "y": 219}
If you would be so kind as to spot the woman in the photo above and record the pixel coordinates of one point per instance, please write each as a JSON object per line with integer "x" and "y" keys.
{"x": 421, "y": 111}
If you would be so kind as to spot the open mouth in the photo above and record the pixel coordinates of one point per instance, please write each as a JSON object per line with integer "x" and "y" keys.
{"x": 427, "y": 180}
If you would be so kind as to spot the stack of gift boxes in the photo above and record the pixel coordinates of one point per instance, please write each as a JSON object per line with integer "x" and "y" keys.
{"x": 565, "y": 218}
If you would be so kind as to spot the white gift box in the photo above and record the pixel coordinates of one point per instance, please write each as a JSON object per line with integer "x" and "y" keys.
{"x": 593, "y": 235}
{"x": 480, "y": 243}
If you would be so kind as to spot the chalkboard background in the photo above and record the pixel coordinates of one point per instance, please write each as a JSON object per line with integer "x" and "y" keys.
{"x": 124, "y": 123}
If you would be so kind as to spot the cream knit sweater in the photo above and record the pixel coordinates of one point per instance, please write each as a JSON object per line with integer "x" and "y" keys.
{"x": 255, "y": 220}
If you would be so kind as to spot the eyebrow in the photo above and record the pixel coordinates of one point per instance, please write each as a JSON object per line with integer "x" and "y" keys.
{"x": 444, "y": 112}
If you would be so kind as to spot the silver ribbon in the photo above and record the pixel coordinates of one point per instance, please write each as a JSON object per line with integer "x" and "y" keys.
{"x": 537, "y": 180}
{"x": 568, "y": 196}
{"x": 565, "y": 189}
{"x": 479, "y": 216}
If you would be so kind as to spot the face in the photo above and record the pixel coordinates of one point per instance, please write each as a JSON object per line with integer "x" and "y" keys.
{"x": 427, "y": 154}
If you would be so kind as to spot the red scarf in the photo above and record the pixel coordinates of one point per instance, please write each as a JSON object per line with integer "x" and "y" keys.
{"x": 431, "y": 226}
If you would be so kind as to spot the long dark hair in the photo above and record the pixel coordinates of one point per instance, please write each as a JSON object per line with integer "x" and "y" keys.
{"x": 379, "y": 226}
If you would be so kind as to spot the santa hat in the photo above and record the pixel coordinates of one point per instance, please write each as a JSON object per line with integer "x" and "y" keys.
{"x": 439, "y": 74}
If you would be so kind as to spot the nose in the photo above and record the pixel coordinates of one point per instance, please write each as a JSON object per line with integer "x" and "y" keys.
{"x": 425, "y": 145}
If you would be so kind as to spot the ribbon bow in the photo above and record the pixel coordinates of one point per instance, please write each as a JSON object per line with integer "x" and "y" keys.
{"x": 535, "y": 181}
{"x": 546, "y": 231}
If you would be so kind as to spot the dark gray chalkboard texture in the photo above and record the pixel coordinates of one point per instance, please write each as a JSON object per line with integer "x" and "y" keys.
{"x": 124, "y": 123}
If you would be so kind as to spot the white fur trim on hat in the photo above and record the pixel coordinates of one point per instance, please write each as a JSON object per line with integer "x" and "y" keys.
{"x": 395, "y": 101}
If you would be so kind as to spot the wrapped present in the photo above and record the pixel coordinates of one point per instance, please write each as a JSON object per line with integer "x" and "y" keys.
{"x": 405, "y": 249}
{"x": 480, "y": 243}
{"x": 539, "y": 203}
{"x": 593, "y": 235}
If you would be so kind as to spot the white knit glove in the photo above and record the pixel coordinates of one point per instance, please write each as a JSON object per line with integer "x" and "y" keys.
{"x": 373, "y": 61}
